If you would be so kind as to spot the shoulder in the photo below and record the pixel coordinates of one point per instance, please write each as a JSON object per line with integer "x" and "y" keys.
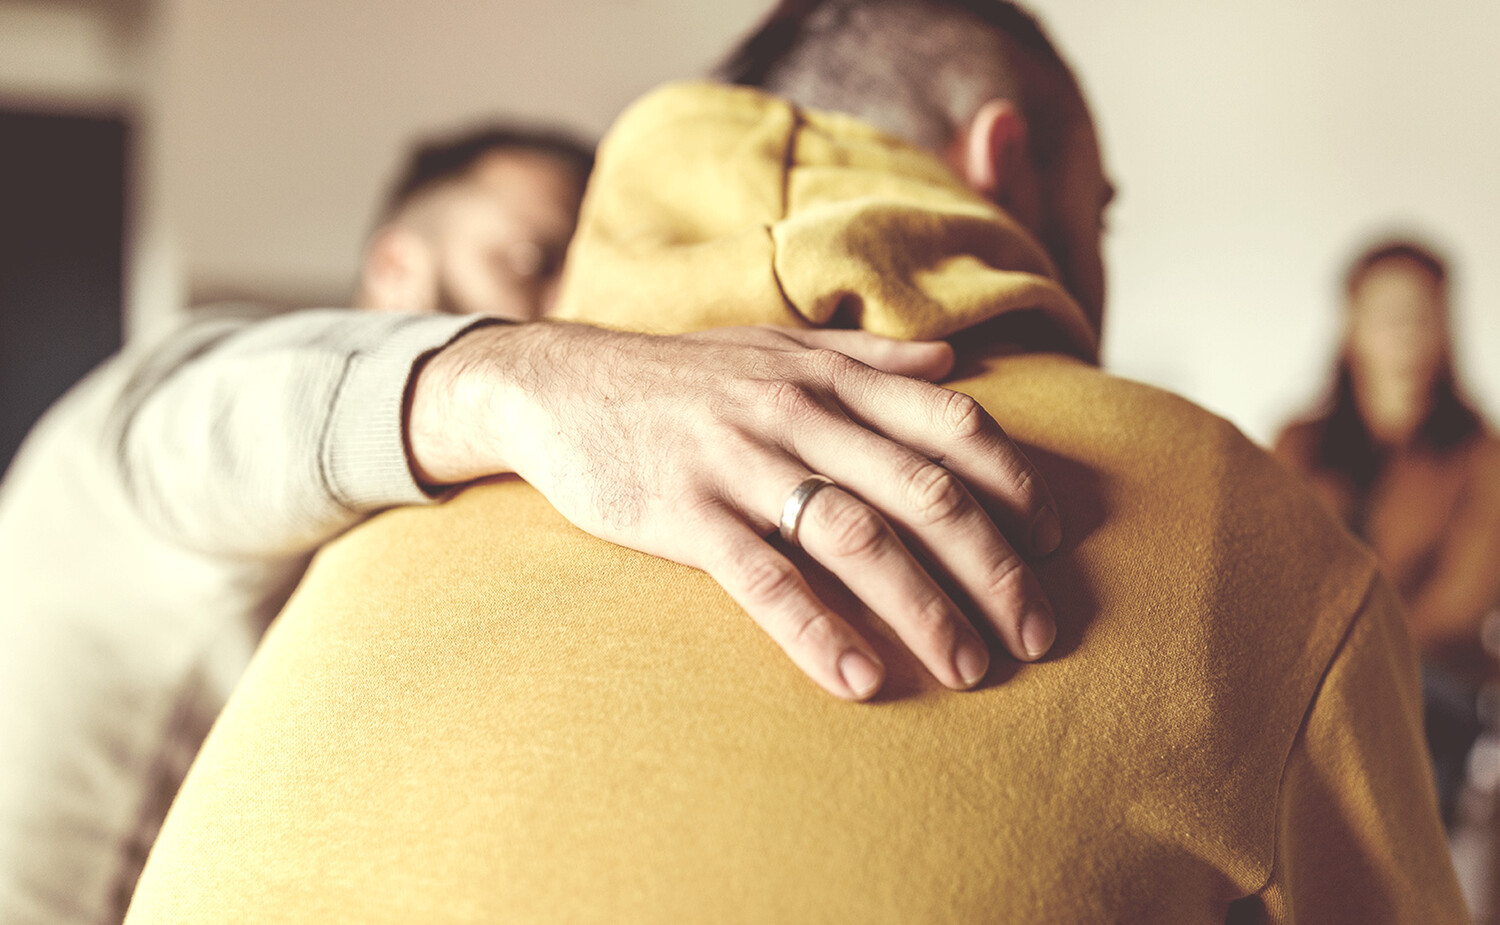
{"x": 1297, "y": 442}
{"x": 1481, "y": 462}
{"x": 1200, "y": 581}
{"x": 1208, "y": 544}
{"x": 1486, "y": 453}
{"x": 1195, "y": 493}
{"x": 1200, "y": 468}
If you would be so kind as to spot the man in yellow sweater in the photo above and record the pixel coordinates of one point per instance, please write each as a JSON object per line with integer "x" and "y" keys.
{"x": 1226, "y": 729}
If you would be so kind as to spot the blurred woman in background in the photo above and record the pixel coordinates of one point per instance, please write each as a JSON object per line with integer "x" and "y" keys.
{"x": 1411, "y": 468}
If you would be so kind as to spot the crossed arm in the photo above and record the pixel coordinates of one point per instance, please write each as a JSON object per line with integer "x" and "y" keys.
{"x": 684, "y": 447}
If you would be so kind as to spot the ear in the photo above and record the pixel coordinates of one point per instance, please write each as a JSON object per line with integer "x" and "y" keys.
{"x": 993, "y": 155}
{"x": 400, "y": 272}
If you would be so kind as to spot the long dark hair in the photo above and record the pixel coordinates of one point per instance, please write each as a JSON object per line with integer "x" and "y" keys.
{"x": 1344, "y": 442}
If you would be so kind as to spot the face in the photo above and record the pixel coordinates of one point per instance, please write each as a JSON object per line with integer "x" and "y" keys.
{"x": 1076, "y": 194}
{"x": 498, "y": 237}
{"x": 1397, "y": 326}
{"x": 1063, "y": 203}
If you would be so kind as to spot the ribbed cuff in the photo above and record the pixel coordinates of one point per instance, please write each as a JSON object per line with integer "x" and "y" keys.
{"x": 364, "y": 450}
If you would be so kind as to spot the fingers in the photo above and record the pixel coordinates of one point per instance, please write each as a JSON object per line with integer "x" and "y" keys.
{"x": 769, "y": 587}
{"x": 884, "y": 459}
{"x": 940, "y": 515}
{"x": 954, "y": 430}
{"x": 932, "y": 360}
{"x": 761, "y": 408}
{"x": 855, "y": 543}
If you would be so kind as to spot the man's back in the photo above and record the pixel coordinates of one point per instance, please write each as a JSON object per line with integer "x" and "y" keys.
{"x": 478, "y": 713}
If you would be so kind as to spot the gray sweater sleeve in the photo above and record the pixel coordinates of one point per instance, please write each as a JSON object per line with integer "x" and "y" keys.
{"x": 266, "y": 438}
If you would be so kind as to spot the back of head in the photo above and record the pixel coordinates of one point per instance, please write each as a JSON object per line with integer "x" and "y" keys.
{"x": 933, "y": 72}
{"x": 436, "y": 161}
{"x": 918, "y": 69}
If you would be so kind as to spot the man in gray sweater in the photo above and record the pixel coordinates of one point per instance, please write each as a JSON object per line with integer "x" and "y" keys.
{"x": 161, "y": 513}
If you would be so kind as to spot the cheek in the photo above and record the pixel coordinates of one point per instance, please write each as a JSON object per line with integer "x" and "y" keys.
{"x": 548, "y": 301}
{"x": 1426, "y": 347}
{"x": 1081, "y": 263}
{"x": 1374, "y": 343}
{"x": 469, "y": 283}
{"x": 1396, "y": 349}
{"x": 476, "y": 284}
{"x": 1092, "y": 274}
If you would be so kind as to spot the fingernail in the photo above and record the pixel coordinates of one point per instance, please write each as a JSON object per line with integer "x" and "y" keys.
{"x": 1046, "y": 532}
{"x": 860, "y": 674}
{"x": 971, "y": 661}
{"x": 1038, "y": 632}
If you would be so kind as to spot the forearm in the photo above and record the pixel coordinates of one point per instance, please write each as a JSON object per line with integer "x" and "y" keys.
{"x": 456, "y": 402}
{"x": 489, "y": 402}
{"x": 271, "y": 437}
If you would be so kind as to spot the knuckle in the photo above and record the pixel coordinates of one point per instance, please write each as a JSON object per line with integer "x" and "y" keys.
{"x": 768, "y": 580}
{"x": 933, "y": 618}
{"x": 697, "y": 509}
{"x": 1007, "y": 578}
{"x": 817, "y": 631}
{"x": 855, "y": 530}
{"x": 961, "y": 416}
{"x": 936, "y": 495}
{"x": 790, "y": 401}
{"x": 830, "y": 364}
{"x": 1026, "y": 485}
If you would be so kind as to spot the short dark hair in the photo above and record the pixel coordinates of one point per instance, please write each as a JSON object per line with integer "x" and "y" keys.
{"x": 1406, "y": 249}
{"x": 865, "y": 59}
{"x": 438, "y": 160}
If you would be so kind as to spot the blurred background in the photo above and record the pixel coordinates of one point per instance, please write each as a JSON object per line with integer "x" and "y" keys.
{"x": 157, "y": 153}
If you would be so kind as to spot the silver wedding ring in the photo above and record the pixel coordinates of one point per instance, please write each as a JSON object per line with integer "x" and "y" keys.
{"x": 791, "y": 512}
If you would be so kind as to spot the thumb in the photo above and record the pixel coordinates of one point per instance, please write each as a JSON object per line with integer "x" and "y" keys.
{"x": 921, "y": 359}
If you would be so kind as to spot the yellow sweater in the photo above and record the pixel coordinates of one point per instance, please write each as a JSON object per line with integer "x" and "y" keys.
{"x": 477, "y": 713}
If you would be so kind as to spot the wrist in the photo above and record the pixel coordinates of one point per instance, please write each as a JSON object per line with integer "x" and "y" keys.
{"x": 452, "y": 426}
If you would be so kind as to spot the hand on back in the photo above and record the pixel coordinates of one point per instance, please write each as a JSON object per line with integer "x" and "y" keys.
{"x": 689, "y": 446}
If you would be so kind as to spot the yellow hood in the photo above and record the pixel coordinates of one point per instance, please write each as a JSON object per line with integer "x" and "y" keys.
{"x": 715, "y": 205}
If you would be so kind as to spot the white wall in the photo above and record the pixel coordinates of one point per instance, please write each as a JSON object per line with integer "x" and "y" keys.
{"x": 68, "y": 55}
{"x": 282, "y": 120}
{"x": 1255, "y": 145}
